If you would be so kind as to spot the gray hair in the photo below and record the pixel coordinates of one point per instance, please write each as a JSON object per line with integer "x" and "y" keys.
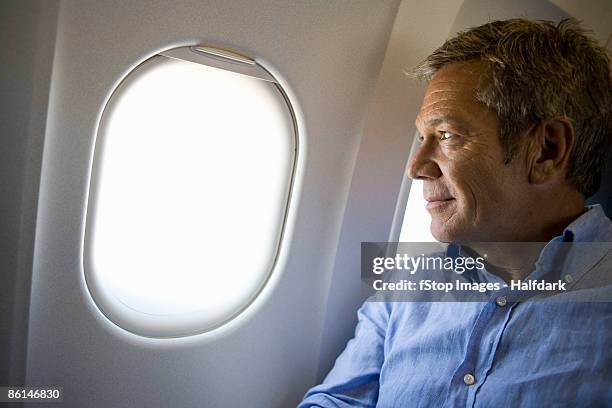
{"x": 535, "y": 71}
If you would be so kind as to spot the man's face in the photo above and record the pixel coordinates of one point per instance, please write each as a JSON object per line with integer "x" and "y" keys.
{"x": 472, "y": 195}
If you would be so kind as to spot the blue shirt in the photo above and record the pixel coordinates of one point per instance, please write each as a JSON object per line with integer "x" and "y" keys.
{"x": 486, "y": 354}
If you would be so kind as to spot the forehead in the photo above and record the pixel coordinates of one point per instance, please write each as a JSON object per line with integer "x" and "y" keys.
{"x": 450, "y": 97}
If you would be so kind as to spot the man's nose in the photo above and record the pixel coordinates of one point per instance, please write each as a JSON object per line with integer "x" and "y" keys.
{"x": 422, "y": 165}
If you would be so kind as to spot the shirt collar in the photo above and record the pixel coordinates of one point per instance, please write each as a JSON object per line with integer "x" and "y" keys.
{"x": 591, "y": 235}
{"x": 592, "y": 226}
{"x": 567, "y": 256}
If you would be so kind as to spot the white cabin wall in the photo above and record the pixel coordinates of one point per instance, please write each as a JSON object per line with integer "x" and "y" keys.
{"x": 27, "y": 39}
{"x": 328, "y": 55}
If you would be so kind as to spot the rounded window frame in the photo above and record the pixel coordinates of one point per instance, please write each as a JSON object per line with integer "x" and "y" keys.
{"x": 153, "y": 327}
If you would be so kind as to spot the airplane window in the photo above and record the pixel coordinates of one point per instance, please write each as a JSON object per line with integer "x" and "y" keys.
{"x": 415, "y": 225}
{"x": 192, "y": 173}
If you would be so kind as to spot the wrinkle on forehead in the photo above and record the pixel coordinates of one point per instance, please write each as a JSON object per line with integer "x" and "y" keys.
{"x": 459, "y": 78}
{"x": 451, "y": 94}
{"x": 456, "y": 115}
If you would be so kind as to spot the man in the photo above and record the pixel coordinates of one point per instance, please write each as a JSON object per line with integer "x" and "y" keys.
{"x": 514, "y": 130}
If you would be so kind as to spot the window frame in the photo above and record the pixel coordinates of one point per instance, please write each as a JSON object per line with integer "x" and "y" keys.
{"x": 137, "y": 322}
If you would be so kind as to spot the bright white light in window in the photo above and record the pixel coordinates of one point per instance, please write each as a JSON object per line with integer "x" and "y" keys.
{"x": 192, "y": 173}
{"x": 415, "y": 227}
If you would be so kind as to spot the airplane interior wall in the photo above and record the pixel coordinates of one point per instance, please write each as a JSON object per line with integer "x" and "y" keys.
{"x": 27, "y": 39}
{"x": 328, "y": 56}
{"x": 342, "y": 64}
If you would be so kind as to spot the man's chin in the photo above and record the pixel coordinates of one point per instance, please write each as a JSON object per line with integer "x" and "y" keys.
{"x": 442, "y": 235}
{"x": 441, "y": 232}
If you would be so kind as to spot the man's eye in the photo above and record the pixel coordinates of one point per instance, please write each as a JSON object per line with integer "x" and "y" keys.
{"x": 446, "y": 135}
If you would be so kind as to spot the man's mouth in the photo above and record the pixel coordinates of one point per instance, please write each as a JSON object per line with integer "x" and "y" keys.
{"x": 438, "y": 202}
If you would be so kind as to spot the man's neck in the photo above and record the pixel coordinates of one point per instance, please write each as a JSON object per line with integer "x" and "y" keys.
{"x": 509, "y": 260}
{"x": 516, "y": 260}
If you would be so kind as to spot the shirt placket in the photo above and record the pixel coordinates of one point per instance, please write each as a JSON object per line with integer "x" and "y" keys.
{"x": 480, "y": 351}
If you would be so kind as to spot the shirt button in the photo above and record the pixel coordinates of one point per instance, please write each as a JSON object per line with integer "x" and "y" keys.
{"x": 568, "y": 278}
{"x": 469, "y": 379}
{"x": 501, "y": 301}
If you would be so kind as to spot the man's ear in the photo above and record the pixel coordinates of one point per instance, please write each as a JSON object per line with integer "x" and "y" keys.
{"x": 549, "y": 150}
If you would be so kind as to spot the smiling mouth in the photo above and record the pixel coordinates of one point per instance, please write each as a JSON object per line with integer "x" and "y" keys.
{"x": 438, "y": 203}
